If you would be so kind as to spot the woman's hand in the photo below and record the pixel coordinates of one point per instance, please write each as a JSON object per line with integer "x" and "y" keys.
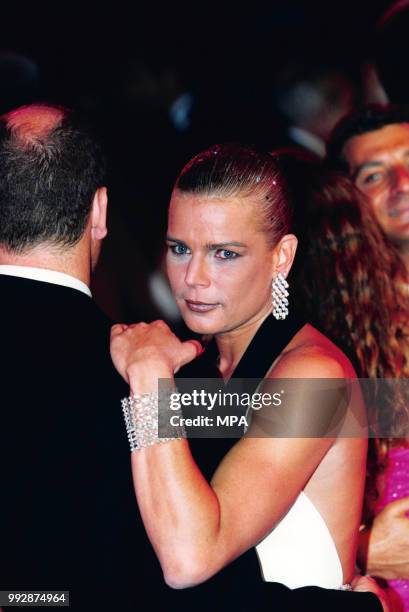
{"x": 144, "y": 352}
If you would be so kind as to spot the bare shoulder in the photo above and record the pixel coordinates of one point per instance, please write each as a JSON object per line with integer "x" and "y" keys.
{"x": 310, "y": 354}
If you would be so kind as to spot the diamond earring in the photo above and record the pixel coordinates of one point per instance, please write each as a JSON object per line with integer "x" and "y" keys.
{"x": 279, "y": 294}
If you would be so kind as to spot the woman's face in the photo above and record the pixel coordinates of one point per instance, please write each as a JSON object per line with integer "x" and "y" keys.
{"x": 219, "y": 263}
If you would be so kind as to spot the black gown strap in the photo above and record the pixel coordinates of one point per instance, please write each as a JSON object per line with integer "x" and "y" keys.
{"x": 269, "y": 341}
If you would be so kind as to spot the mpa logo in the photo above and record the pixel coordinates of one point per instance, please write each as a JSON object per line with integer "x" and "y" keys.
{"x": 232, "y": 420}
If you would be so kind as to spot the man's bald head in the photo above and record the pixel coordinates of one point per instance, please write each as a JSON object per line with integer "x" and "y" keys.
{"x": 30, "y": 124}
{"x": 50, "y": 168}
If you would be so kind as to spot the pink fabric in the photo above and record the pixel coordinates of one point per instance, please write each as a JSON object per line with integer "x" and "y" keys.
{"x": 396, "y": 479}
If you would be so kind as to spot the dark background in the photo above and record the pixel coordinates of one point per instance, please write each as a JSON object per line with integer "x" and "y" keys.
{"x": 125, "y": 64}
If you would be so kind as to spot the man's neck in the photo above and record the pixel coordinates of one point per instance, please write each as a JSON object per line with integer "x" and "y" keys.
{"x": 71, "y": 264}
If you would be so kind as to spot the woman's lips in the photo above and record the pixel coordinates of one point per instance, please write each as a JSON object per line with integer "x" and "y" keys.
{"x": 200, "y": 306}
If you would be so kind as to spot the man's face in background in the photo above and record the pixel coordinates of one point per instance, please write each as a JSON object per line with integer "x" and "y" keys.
{"x": 379, "y": 166}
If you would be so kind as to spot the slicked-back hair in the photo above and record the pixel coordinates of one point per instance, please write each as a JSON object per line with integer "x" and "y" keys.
{"x": 233, "y": 170}
{"x": 366, "y": 119}
{"x": 47, "y": 180}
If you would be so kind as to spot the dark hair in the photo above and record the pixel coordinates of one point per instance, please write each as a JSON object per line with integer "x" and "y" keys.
{"x": 366, "y": 119}
{"x": 48, "y": 177}
{"x": 228, "y": 170}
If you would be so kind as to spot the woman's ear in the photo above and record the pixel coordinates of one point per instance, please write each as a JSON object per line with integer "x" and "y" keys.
{"x": 285, "y": 253}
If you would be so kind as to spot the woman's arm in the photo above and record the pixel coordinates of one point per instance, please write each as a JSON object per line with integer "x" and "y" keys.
{"x": 197, "y": 528}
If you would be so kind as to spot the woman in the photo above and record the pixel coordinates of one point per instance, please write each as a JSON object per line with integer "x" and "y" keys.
{"x": 229, "y": 239}
{"x": 359, "y": 299}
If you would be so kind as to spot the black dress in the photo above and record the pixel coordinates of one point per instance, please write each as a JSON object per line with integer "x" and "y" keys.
{"x": 240, "y": 586}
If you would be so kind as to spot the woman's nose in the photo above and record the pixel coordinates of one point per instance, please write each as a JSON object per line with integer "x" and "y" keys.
{"x": 197, "y": 273}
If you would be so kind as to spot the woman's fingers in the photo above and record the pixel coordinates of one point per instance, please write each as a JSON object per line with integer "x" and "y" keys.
{"x": 188, "y": 351}
{"x": 141, "y": 341}
{"x": 198, "y": 347}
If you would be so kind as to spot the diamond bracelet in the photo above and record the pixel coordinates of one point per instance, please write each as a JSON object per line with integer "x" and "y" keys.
{"x": 142, "y": 421}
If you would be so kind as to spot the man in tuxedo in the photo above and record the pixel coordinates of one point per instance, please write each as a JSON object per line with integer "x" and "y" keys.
{"x": 69, "y": 519}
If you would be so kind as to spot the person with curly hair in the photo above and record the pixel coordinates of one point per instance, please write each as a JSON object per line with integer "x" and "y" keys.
{"x": 359, "y": 299}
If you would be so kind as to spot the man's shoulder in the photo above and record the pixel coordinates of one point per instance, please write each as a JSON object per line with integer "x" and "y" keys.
{"x": 42, "y": 300}
{"x": 53, "y": 326}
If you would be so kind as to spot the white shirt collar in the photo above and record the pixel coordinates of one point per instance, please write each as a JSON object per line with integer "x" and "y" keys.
{"x": 46, "y": 276}
{"x": 308, "y": 140}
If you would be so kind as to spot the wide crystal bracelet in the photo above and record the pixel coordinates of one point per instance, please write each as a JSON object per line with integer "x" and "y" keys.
{"x": 141, "y": 414}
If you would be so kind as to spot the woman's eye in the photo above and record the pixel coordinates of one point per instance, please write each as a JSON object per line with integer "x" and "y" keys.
{"x": 179, "y": 249}
{"x": 226, "y": 254}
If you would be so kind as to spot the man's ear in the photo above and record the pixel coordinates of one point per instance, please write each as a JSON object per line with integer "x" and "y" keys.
{"x": 99, "y": 214}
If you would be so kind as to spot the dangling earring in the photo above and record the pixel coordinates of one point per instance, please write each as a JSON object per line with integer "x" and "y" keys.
{"x": 279, "y": 294}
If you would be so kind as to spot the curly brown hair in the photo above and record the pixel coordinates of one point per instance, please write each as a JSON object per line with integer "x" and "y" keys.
{"x": 354, "y": 286}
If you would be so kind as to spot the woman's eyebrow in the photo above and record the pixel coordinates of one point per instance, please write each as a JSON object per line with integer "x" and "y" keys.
{"x": 170, "y": 239}
{"x": 221, "y": 245}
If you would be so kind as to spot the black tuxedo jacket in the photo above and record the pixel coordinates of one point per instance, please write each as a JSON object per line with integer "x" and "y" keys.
{"x": 68, "y": 514}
